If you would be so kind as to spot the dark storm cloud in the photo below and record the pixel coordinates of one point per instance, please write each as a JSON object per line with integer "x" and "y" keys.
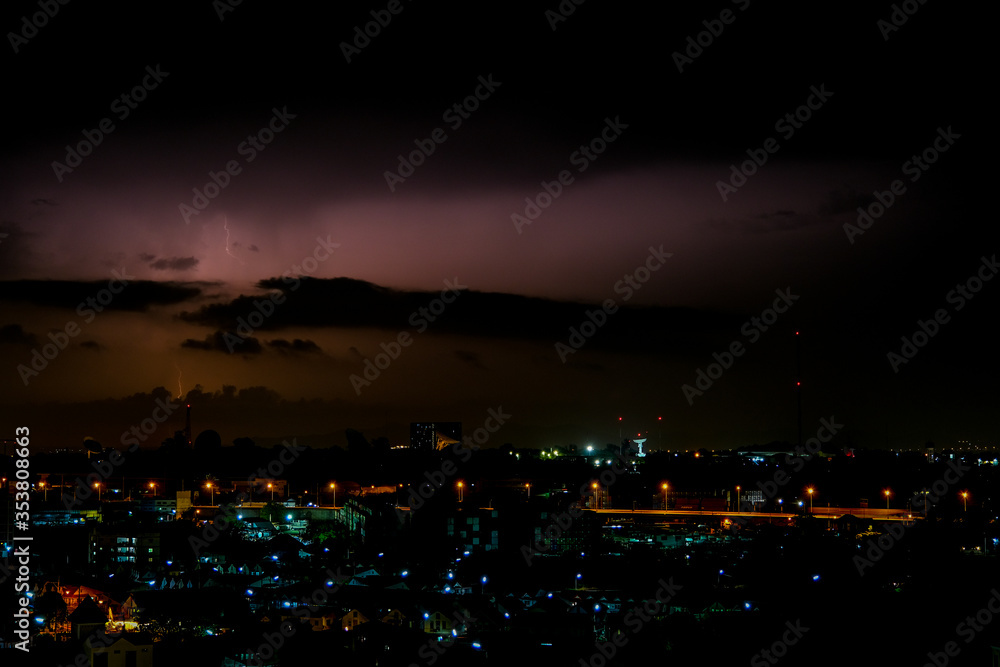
{"x": 297, "y": 345}
{"x": 175, "y": 264}
{"x": 14, "y": 334}
{"x": 227, "y": 342}
{"x": 782, "y": 220}
{"x": 844, "y": 200}
{"x": 136, "y": 295}
{"x": 349, "y": 303}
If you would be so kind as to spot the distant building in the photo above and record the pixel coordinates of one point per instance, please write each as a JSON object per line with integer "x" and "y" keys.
{"x": 108, "y": 546}
{"x": 430, "y": 436}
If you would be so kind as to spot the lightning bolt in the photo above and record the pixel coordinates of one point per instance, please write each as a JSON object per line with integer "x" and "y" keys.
{"x": 180, "y": 389}
{"x": 226, "y": 227}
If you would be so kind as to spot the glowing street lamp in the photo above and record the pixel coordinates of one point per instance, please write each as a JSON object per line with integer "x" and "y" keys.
{"x": 810, "y": 492}
{"x": 45, "y": 490}
{"x": 965, "y": 500}
{"x": 664, "y": 487}
{"x": 737, "y": 498}
{"x": 212, "y": 489}
{"x": 333, "y": 487}
{"x": 887, "y": 494}
{"x": 271, "y": 486}
{"x": 152, "y": 485}
{"x": 528, "y": 487}
{"x": 597, "y": 502}
{"x": 576, "y": 583}
{"x": 97, "y": 485}
{"x": 461, "y": 492}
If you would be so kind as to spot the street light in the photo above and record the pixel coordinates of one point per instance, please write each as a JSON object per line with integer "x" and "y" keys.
{"x": 45, "y": 491}
{"x": 965, "y": 500}
{"x": 810, "y": 492}
{"x": 333, "y": 487}
{"x": 737, "y": 498}
{"x": 152, "y": 485}
{"x": 664, "y": 487}
{"x": 461, "y": 493}
{"x": 528, "y": 487}
{"x": 577, "y": 582}
{"x": 97, "y": 485}
{"x": 597, "y": 502}
{"x": 271, "y": 486}
{"x": 887, "y": 493}
{"x": 212, "y": 489}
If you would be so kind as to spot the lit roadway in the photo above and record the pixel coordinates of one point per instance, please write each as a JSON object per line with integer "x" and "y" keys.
{"x": 819, "y": 512}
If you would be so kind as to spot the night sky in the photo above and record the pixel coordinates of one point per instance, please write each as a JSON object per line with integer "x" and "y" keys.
{"x": 389, "y": 246}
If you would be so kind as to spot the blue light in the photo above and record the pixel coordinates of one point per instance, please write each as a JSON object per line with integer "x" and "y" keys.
{"x": 289, "y": 517}
{"x": 287, "y": 604}
{"x": 484, "y": 579}
{"x": 815, "y": 577}
{"x": 426, "y": 615}
{"x": 549, "y": 595}
{"x": 451, "y": 576}
{"x": 39, "y": 620}
{"x": 454, "y": 633}
{"x": 380, "y": 555}
{"x": 249, "y": 591}
{"x": 597, "y": 607}
{"x": 506, "y": 615}
{"x": 722, "y": 571}
{"x": 404, "y": 573}
{"x": 447, "y": 589}
{"x": 476, "y": 645}
{"x": 746, "y": 605}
